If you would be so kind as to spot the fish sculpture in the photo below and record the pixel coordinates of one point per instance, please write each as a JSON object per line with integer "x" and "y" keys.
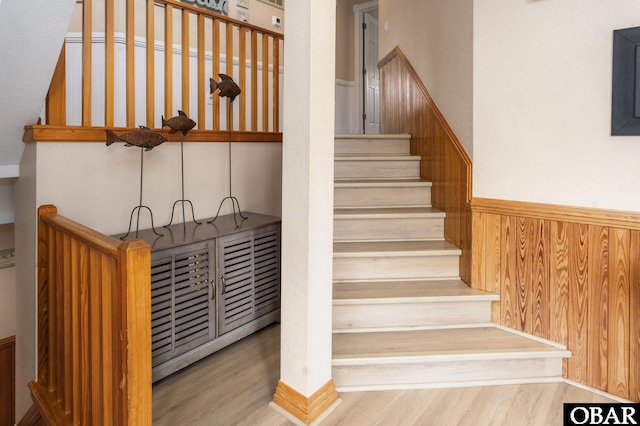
{"x": 143, "y": 138}
{"x": 226, "y": 86}
{"x": 179, "y": 123}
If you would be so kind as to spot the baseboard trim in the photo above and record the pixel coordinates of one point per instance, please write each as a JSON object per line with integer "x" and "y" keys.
{"x": 306, "y": 409}
{"x": 31, "y": 417}
{"x": 598, "y": 392}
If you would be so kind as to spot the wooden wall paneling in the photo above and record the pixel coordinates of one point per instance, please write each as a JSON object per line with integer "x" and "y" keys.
{"x": 77, "y": 260}
{"x": 58, "y": 334}
{"x": 109, "y": 339}
{"x": 578, "y": 319}
{"x": 407, "y": 107}
{"x": 478, "y": 259}
{"x": 618, "y": 324}
{"x": 598, "y": 290}
{"x": 559, "y": 285}
{"x": 492, "y": 261}
{"x": 508, "y": 272}
{"x": 67, "y": 347}
{"x": 540, "y": 280}
{"x": 524, "y": 235}
{"x": 634, "y": 316}
{"x": 82, "y": 378}
{"x": 7, "y": 380}
{"x": 56, "y": 106}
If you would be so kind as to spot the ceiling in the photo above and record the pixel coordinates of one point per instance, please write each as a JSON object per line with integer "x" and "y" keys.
{"x": 32, "y": 33}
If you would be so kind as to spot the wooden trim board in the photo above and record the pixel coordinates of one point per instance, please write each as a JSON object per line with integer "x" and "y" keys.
{"x": 306, "y": 409}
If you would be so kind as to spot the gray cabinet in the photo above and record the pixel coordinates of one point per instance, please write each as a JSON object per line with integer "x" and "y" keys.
{"x": 210, "y": 286}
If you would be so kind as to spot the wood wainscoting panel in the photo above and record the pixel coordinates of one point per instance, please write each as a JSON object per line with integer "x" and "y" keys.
{"x": 634, "y": 316}
{"x": 407, "y": 107}
{"x": 7, "y": 380}
{"x": 559, "y": 284}
{"x": 568, "y": 274}
{"x": 598, "y": 273}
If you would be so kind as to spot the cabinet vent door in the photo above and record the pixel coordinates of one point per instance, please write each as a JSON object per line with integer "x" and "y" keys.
{"x": 180, "y": 307}
{"x": 250, "y": 275}
{"x": 267, "y": 272}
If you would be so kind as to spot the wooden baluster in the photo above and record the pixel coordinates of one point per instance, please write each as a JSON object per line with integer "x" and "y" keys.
{"x": 242, "y": 79}
{"x": 131, "y": 65}
{"x": 215, "y": 70}
{"x": 229, "y": 70}
{"x": 150, "y": 64}
{"x": 201, "y": 77}
{"x": 168, "y": 61}
{"x": 254, "y": 80}
{"x": 86, "y": 61}
{"x": 265, "y": 83}
{"x": 276, "y": 85}
{"x": 109, "y": 59}
{"x": 185, "y": 61}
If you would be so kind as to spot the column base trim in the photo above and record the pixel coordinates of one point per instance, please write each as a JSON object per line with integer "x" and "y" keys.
{"x": 306, "y": 409}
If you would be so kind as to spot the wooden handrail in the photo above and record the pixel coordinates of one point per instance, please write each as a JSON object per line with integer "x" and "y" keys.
{"x": 220, "y": 41}
{"x": 94, "y": 322}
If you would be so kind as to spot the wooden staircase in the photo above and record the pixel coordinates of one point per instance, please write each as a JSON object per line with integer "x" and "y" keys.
{"x": 402, "y": 318}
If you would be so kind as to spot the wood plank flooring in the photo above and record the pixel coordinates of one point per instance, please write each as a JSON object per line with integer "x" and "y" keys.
{"x": 235, "y": 386}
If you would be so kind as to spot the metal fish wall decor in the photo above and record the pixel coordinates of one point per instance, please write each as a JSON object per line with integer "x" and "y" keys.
{"x": 143, "y": 138}
{"x": 227, "y": 87}
{"x": 179, "y": 123}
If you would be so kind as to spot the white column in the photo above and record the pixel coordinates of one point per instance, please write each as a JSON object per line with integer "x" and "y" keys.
{"x": 307, "y": 198}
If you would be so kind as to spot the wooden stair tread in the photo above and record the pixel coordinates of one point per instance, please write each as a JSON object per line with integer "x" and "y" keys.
{"x": 395, "y": 248}
{"x": 407, "y": 292}
{"x": 387, "y": 212}
{"x": 374, "y": 136}
{"x": 376, "y": 157}
{"x": 381, "y": 183}
{"x": 470, "y": 343}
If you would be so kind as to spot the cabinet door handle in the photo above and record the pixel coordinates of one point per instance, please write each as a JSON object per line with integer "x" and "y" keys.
{"x": 212, "y": 289}
{"x": 224, "y": 284}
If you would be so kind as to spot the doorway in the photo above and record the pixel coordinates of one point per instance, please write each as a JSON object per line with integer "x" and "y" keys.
{"x": 366, "y": 66}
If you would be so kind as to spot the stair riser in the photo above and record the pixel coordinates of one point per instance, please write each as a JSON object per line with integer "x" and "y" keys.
{"x": 372, "y": 146}
{"x": 424, "y": 373}
{"x": 388, "y": 229}
{"x": 382, "y": 196}
{"x": 419, "y": 314}
{"x": 400, "y": 267}
{"x": 369, "y": 169}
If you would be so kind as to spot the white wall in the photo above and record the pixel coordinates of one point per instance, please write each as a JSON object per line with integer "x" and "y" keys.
{"x": 7, "y": 214}
{"x": 99, "y": 185}
{"x": 542, "y": 104}
{"x": 437, "y": 38}
{"x": 7, "y": 302}
{"x": 7, "y": 282}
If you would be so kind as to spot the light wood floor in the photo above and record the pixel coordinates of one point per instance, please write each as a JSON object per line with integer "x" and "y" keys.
{"x": 234, "y": 387}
